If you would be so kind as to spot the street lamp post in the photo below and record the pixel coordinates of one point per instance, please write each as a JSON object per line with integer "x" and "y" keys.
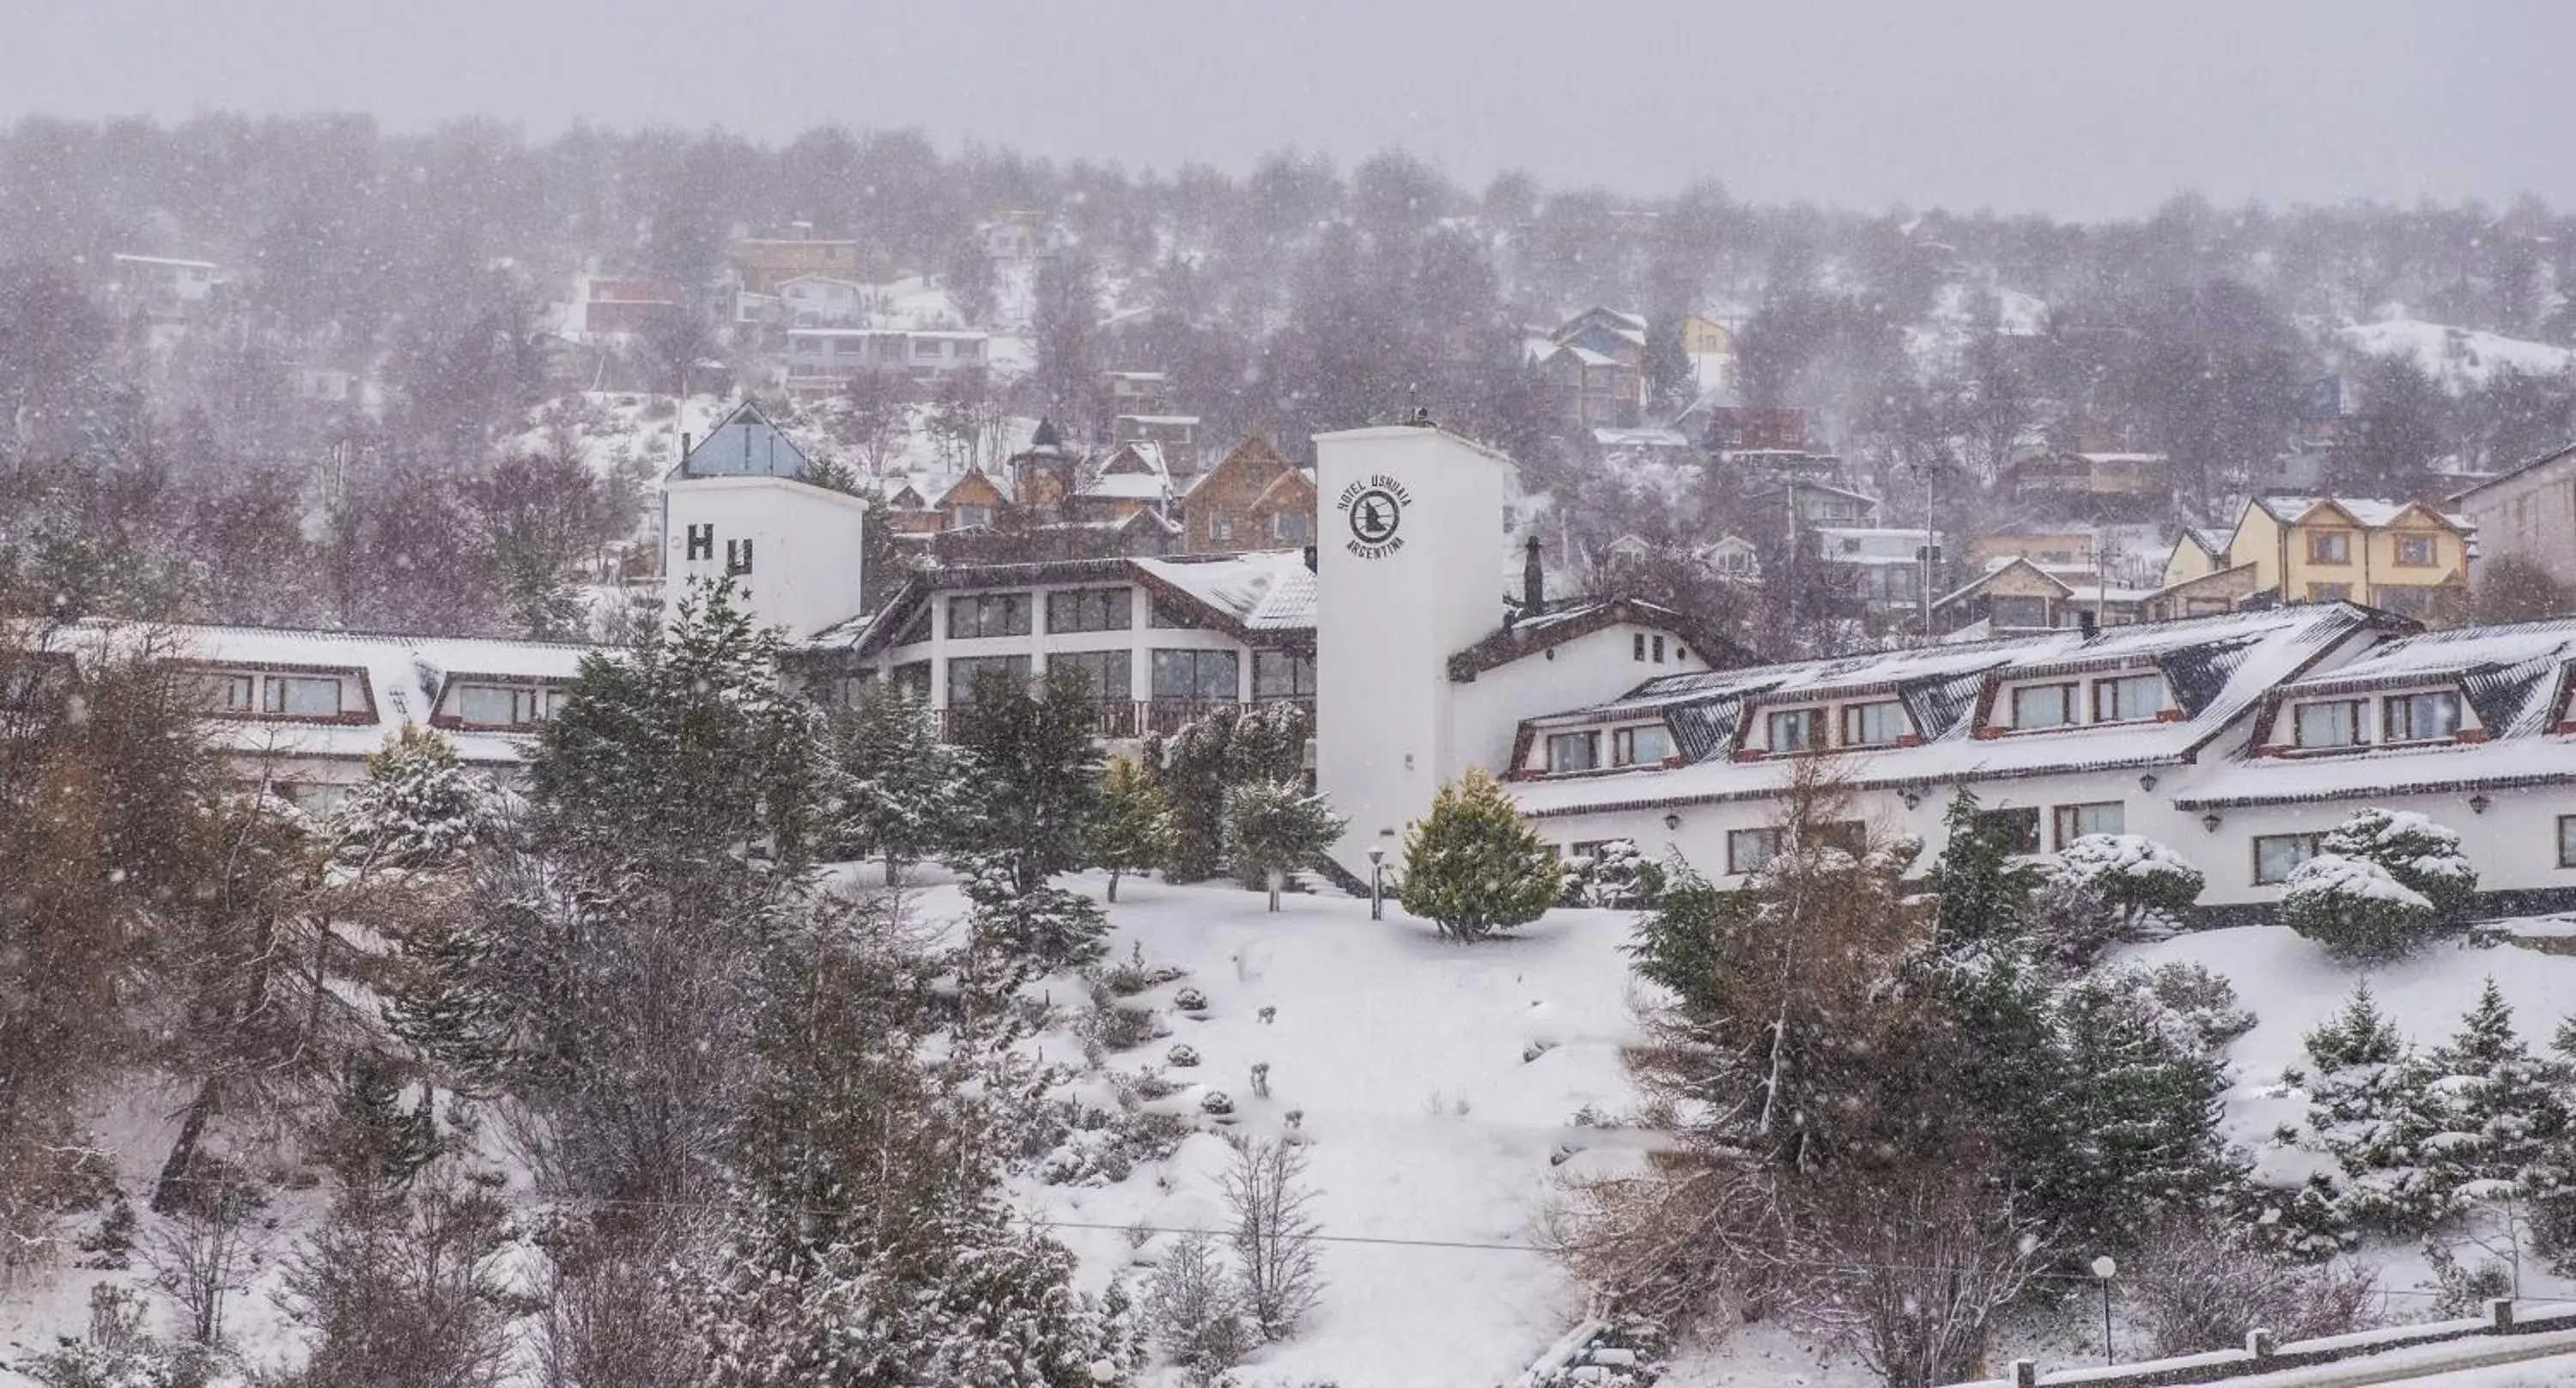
{"x": 1377, "y": 883}
{"x": 2104, "y": 1269}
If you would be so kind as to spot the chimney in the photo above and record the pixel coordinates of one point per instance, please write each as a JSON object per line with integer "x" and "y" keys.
{"x": 1533, "y": 580}
{"x": 684, "y": 448}
{"x": 2087, "y": 624}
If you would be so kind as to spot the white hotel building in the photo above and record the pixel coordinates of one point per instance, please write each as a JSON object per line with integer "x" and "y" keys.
{"x": 2235, "y": 739}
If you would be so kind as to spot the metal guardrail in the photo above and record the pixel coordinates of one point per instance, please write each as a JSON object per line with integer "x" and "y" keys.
{"x": 2262, "y": 1356}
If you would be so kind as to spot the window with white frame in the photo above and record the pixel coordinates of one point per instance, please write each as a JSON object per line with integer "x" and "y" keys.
{"x": 2276, "y": 856}
{"x": 2073, "y": 822}
{"x": 2567, "y": 840}
{"x": 1283, "y": 675}
{"x": 308, "y": 696}
{"x": 231, "y": 693}
{"x": 1874, "y": 725}
{"x": 1573, "y": 751}
{"x": 1642, "y": 746}
{"x": 500, "y": 705}
{"x": 2420, "y": 717}
{"x": 1111, "y": 673}
{"x": 1201, "y": 676}
{"x": 2043, "y": 706}
{"x": 2127, "y": 697}
{"x": 966, "y": 672}
{"x": 1090, "y": 609}
{"x": 2327, "y": 723}
{"x": 1798, "y": 730}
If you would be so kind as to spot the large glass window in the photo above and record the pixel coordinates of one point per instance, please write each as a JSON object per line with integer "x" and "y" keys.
{"x": 1206, "y": 676}
{"x": 2128, "y": 697}
{"x": 1112, "y": 673}
{"x": 2327, "y": 723}
{"x": 1171, "y": 618}
{"x": 500, "y": 706}
{"x": 2420, "y": 717}
{"x": 1283, "y": 675}
{"x": 1874, "y": 725}
{"x": 2567, "y": 840}
{"x": 2075, "y": 821}
{"x": 1798, "y": 730}
{"x": 1573, "y": 751}
{"x": 964, "y": 671}
{"x": 1641, "y": 746}
{"x": 2018, "y": 828}
{"x": 2276, "y": 856}
{"x": 231, "y": 693}
{"x": 1091, "y": 609}
{"x": 2016, "y": 613}
{"x": 1751, "y": 850}
{"x": 989, "y": 614}
{"x": 913, "y": 675}
{"x": 2043, "y": 706}
{"x": 303, "y": 695}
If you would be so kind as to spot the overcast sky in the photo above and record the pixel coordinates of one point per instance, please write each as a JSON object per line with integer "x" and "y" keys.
{"x": 2066, "y": 106}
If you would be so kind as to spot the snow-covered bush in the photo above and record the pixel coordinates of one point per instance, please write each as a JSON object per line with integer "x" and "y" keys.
{"x": 1102, "y": 1148}
{"x": 1620, "y": 876}
{"x": 1132, "y": 831}
{"x": 1190, "y": 1000}
{"x": 2109, "y": 888}
{"x": 1116, "y": 1028}
{"x": 1472, "y": 866}
{"x": 2203, "y": 1001}
{"x": 2355, "y": 908}
{"x": 1273, "y": 828}
{"x": 1049, "y": 926}
{"x": 2421, "y": 855}
{"x": 1182, "y": 1057}
{"x": 2201, "y": 1283}
{"x": 1217, "y": 1102}
{"x": 1133, "y": 975}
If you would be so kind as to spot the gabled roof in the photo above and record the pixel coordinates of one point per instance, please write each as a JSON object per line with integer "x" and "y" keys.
{"x": 1528, "y": 635}
{"x": 1996, "y": 570}
{"x": 746, "y": 444}
{"x": 2364, "y": 512}
{"x": 2563, "y": 453}
{"x": 1261, "y": 597}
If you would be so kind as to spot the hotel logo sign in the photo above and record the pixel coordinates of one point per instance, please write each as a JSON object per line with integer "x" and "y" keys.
{"x": 1374, "y": 509}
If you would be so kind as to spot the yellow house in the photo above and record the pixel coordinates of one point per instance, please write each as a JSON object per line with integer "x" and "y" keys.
{"x": 2402, "y": 557}
{"x": 2197, "y": 553}
{"x": 1706, "y": 337}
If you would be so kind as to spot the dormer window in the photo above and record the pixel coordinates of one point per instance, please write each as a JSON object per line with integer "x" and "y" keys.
{"x": 1641, "y": 746}
{"x": 506, "y": 706}
{"x": 1798, "y": 730}
{"x": 1574, "y": 751}
{"x": 2328, "y": 723}
{"x": 1874, "y": 725}
{"x": 2420, "y": 717}
{"x": 2043, "y": 706}
{"x": 2127, "y": 698}
{"x": 302, "y": 696}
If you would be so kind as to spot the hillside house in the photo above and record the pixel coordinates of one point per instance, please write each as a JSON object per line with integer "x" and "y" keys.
{"x": 764, "y": 263}
{"x": 823, "y": 361}
{"x": 1252, "y": 497}
{"x": 2527, "y": 514}
{"x": 2402, "y": 557}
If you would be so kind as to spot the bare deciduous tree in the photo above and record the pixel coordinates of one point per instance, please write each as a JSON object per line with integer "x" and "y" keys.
{"x": 2201, "y": 1285}
{"x": 204, "y": 1250}
{"x": 1275, "y": 1236}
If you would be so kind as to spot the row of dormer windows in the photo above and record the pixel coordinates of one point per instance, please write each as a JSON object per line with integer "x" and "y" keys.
{"x": 2069, "y": 703}
{"x": 1647, "y": 744}
{"x": 272, "y": 696}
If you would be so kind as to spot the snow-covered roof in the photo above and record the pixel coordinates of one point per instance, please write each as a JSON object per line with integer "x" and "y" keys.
{"x": 2218, "y": 668}
{"x": 1265, "y": 590}
{"x": 1264, "y": 596}
{"x": 1128, "y": 486}
{"x": 2370, "y": 513}
{"x": 1640, "y": 438}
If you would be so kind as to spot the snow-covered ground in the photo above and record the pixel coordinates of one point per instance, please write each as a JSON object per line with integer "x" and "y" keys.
{"x": 2460, "y": 358}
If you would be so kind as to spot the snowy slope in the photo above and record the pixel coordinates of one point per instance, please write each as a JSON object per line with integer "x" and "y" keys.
{"x": 1404, "y": 1055}
{"x": 2460, "y": 358}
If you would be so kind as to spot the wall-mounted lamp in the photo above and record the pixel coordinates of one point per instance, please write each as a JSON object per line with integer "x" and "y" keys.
{"x": 2211, "y": 821}
{"x": 2147, "y": 782}
{"x": 1672, "y": 821}
{"x": 1911, "y": 797}
{"x": 2478, "y": 804}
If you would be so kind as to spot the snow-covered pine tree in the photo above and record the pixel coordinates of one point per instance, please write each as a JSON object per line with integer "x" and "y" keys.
{"x": 2424, "y": 857}
{"x": 1036, "y": 772}
{"x": 1983, "y": 893}
{"x": 1229, "y": 745}
{"x": 2370, "y": 1109}
{"x": 2355, "y": 907}
{"x": 901, "y": 788}
{"x": 1273, "y": 828}
{"x": 1133, "y": 830}
{"x": 2502, "y": 1111}
{"x": 1472, "y": 866}
{"x": 1047, "y": 927}
{"x": 418, "y": 808}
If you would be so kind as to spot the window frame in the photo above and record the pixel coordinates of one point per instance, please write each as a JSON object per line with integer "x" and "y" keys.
{"x": 1623, "y": 745}
{"x": 2391, "y": 706}
{"x": 974, "y": 665}
{"x": 1080, "y": 604}
{"x": 1855, "y": 714}
{"x": 2023, "y": 821}
{"x": 276, "y": 700}
{"x": 1200, "y": 660}
{"x": 2432, "y": 550}
{"x": 1301, "y": 674}
{"x": 1765, "y": 840}
{"x": 2329, "y": 592}
{"x": 1588, "y": 738}
{"x": 2314, "y": 841}
{"x": 2339, "y": 541}
{"x": 2355, "y": 710}
{"x": 2113, "y": 711}
{"x": 2070, "y": 706}
{"x": 1820, "y": 739}
{"x": 2066, "y": 821}
{"x": 1094, "y": 662}
{"x": 1015, "y": 612}
{"x": 2566, "y": 822}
